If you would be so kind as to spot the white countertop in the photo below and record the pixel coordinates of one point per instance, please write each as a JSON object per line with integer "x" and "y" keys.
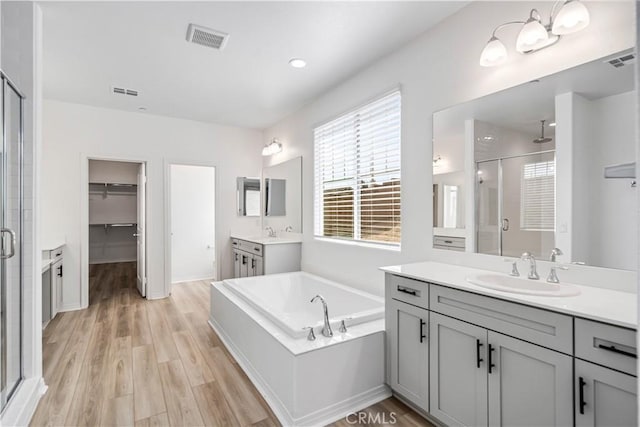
{"x": 265, "y": 240}
{"x": 46, "y": 263}
{"x": 52, "y": 244}
{"x": 604, "y": 305}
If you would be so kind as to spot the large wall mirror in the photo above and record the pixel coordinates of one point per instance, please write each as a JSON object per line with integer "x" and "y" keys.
{"x": 524, "y": 169}
{"x": 282, "y": 200}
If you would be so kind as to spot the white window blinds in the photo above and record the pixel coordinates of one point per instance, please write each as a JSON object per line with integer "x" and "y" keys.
{"x": 357, "y": 174}
{"x": 538, "y": 196}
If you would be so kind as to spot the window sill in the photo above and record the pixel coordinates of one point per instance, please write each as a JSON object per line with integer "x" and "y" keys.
{"x": 371, "y": 245}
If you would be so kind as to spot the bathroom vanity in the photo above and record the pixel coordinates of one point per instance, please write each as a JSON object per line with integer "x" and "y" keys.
{"x": 467, "y": 355}
{"x": 255, "y": 256}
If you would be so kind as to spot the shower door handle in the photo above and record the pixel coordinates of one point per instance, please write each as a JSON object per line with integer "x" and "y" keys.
{"x": 505, "y": 224}
{"x": 12, "y": 247}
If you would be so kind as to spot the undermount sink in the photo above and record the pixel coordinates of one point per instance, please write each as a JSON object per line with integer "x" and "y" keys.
{"x": 517, "y": 285}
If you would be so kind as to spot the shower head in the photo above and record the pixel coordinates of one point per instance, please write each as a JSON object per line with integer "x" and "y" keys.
{"x": 542, "y": 139}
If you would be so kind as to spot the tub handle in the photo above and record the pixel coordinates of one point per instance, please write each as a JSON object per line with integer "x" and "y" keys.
{"x": 311, "y": 336}
{"x": 409, "y": 291}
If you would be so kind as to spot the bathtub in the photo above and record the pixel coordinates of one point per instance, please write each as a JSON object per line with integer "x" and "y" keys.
{"x": 261, "y": 320}
{"x": 285, "y": 300}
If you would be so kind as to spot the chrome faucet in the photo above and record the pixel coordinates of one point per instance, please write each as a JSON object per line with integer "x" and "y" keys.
{"x": 326, "y": 330}
{"x": 533, "y": 271}
{"x": 553, "y": 276}
{"x": 271, "y": 231}
{"x": 288, "y": 229}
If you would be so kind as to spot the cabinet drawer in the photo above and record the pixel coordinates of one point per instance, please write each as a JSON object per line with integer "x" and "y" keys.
{"x": 545, "y": 328}
{"x": 607, "y": 345}
{"x": 449, "y": 242}
{"x": 56, "y": 254}
{"x": 407, "y": 290}
{"x": 244, "y": 245}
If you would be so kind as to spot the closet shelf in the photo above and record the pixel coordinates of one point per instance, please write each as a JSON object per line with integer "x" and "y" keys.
{"x": 107, "y": 188}
{"x": 114, "y": 225}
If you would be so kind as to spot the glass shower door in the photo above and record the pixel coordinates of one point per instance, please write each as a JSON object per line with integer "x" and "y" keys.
{"x": 10, "y": 242}
{"x": 488, "y": 207}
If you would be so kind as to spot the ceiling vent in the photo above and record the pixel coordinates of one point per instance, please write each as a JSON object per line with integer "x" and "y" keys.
{"x": 623, "y": 60}
{"x": 207, "y": 37}
{"x": 123, "y": 91}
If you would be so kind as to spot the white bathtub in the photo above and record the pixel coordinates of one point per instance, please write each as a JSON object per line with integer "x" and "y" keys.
{"x": 286, "y": 300}
{"x": 306, "y": 383}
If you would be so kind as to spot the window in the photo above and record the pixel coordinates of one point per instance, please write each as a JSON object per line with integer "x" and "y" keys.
{"x": 538, "y": 197}
{"x": 450, "y": 209}
{"x": 357, "y": 174}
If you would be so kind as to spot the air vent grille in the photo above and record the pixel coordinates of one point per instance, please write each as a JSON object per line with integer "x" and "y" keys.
{"x": 207, "y": 37}
{"x": 124, "y": 91}
{"x": 623, "y": 60}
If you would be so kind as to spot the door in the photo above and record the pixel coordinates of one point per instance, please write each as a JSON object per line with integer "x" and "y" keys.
{"x": 458, "y": 359}
{"x": 528, "y": 385}
{"x": 410, "y": 352}
{"x": 256, "y": 265}
{"x": 488, "y": 207}
{"x": 141, "y": 231}
{"x": 244, "y": 264}
{"x": 604, "y": 397}
{"x": 11, "y": 208}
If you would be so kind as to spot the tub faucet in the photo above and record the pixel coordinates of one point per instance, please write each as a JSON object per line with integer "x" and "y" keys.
{"x": 326, "y": 330}
{"x": 533, "y": 271}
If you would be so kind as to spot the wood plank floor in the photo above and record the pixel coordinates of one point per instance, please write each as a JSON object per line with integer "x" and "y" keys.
{"x": 127, "y": 361}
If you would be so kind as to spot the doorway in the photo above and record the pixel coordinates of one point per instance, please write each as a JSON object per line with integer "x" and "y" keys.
{"x": 192, "y": 207}
{"x": 117, "y": 232}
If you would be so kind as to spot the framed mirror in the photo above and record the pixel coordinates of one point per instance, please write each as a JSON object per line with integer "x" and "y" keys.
{"x": 525, "y": 169}
{"x": 248, "y": 196}
{"x": 282, "y": 204}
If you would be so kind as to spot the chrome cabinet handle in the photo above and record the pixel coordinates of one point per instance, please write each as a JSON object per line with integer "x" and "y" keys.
{"x": 13, "y": 243}
{"x": 505, "y": 224}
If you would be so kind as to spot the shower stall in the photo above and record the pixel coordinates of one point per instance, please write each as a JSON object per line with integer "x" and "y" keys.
{"x": 11, "y": 232}
{"x": 515, "y": 204}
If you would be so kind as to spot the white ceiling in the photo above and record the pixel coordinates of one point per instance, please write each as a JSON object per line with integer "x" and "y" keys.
{"x": 90, "y": 46}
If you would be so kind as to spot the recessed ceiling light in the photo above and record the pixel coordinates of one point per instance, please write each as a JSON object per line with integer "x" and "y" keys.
{"x": 142, "y": 108}
{"x": 552, "y": 124}
{"x": 297, "y": 63}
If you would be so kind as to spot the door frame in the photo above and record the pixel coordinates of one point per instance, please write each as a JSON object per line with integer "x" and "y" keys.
{"x": 84, "y": 214}
{"x": 167, "y": 216}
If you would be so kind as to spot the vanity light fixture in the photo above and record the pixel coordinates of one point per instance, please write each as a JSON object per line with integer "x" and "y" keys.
{"x": 272, "y": 148}
{"x": 534, "y": 35}
{"x": 436, "y": 160}
{"x": 552, "y": 124}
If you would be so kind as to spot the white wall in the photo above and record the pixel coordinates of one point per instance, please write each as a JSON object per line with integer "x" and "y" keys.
{"x": 437, "y": 70}
{"x": 192, "y": 222}
{"x": 71, "y": 132}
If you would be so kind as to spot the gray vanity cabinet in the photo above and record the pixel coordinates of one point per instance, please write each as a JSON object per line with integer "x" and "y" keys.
{"x": 604, "y": 397}
{"x": 458, "y": 371}
{"x": 408, "y": 332}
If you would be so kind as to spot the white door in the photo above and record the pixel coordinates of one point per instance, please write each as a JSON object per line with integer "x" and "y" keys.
{"x": 141, "y": 231}
{"x": 410, "y": 352}
{"x": 529, "y": 385}
{"x": 604, "y": 397}
{"x": 459, "y": 365}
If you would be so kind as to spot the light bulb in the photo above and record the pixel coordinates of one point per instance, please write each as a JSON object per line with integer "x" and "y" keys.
{"x": 573, "y": 16}
{"x": 532, "y": 34}
{"x": 494, "y": 53}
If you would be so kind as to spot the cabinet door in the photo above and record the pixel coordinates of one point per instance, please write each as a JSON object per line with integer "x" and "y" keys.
{"x": 244, "y": 264}
{"x": 56, "y": 287}
{"x": 408, "y": 333}
{"x": 237, "y": 259}
{"x": 458, "y": 360}
{"x": 528, "y": 385}
{"x": 604, "y": 397}
{"x": 257, "y": 265}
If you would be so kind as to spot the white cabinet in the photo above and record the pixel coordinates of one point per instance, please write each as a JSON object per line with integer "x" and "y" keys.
{"x": 480, "y": 377}
{"x": 408, "y": 332}
{"x": 52, "y": 284}
{"x": 604, "y": 397}
{"x": 458, "y": 371}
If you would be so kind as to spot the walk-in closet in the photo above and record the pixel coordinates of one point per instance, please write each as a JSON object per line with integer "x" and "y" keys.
{"x": 116, "y": 217}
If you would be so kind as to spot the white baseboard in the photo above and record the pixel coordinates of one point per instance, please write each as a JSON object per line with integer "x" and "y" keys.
{"x": 112, "y": 261}
{"x": 320, "y": 418}
{"x": 195, "y": 279}
{"x": 23, "y": 404}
